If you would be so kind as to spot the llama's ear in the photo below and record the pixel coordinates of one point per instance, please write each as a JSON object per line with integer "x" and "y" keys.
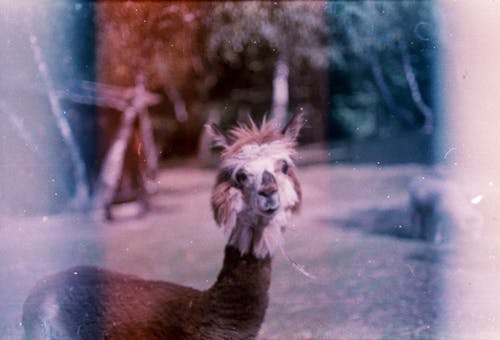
{"x": 292, "y": 129}
{"x": 219, "y": 139}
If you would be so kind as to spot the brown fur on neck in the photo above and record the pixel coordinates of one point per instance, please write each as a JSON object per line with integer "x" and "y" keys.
{"x": 241, "y": 291}
{"x": 102, "y": 304}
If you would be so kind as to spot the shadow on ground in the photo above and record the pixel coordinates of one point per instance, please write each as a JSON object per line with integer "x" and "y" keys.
{"x": 393, "y": 221}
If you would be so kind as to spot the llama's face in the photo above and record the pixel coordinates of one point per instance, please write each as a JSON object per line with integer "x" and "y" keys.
{"x": 257, "y": 188}
{"x": 264, "y": 175}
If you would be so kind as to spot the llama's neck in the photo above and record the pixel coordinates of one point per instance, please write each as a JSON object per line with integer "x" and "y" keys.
{"x": 239, "y": 297}
{"x": 258, "y": 235}
{"x": 244, "y": 269}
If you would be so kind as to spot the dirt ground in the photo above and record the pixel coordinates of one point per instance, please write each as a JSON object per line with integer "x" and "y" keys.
{"x": 371, "y": 280}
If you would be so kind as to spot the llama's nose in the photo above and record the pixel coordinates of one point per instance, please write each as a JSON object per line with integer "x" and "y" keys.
{"x": 268, "y": 186}
{"x": 268, "y": 193}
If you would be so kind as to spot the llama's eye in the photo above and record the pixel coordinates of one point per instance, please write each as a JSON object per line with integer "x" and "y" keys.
{"x": 284, "y": 167}
{"x": 241, "y": 177}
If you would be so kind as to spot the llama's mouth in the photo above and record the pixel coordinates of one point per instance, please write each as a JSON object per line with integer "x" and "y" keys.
{"x": 270, "y": 211}
{"x": 268, "y": 206}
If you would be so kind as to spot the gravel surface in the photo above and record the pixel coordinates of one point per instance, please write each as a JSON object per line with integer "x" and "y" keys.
{"x": 371, "y": 281}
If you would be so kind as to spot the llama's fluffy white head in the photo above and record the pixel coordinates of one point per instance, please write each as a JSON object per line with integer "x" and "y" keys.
{"x": 257, "y": 188}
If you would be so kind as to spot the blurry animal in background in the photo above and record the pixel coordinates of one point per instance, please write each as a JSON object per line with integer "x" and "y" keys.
{"x": 256, "y": 192}
{"x": 439, "y": 210}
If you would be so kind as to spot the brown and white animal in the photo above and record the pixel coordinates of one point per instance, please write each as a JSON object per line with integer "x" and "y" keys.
{"x": 255, "y": 193}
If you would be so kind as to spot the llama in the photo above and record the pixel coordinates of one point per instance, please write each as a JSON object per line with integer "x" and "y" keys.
{"x": 255, "y": 193}
{"x": 439, "y": 210}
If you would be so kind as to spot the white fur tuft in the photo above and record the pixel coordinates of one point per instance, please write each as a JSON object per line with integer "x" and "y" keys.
{"x": 288, "y": 195}
{"x": 236, "y": 206}
{"x": 262, "y": 239}
{"x": 254, "y": 152}
{"x": 272, "y": 237}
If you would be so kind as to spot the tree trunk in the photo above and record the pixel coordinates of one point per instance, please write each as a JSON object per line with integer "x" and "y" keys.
{"x": 279, "y": 109}
{"x": 109, "y": 177}
{"x": 415, "y": 90}
{"x": 179, "y": 105}
{"x": 149, "y": 147}
{"x": 81, "y": 195}
{"x": 205, "y": 141}
{"x": 112, "y": 168}
{"x": 402, "y": 114}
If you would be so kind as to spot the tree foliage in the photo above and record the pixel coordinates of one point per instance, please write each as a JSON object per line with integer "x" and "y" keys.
{"x": 366, "y": 66}
{"x": 293, "y": 30}
{"x": 213, "y": 55}
{"x": 220, "y": 56}
{"x": 150, "y": 38}
{"x": 378, "y": 47}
